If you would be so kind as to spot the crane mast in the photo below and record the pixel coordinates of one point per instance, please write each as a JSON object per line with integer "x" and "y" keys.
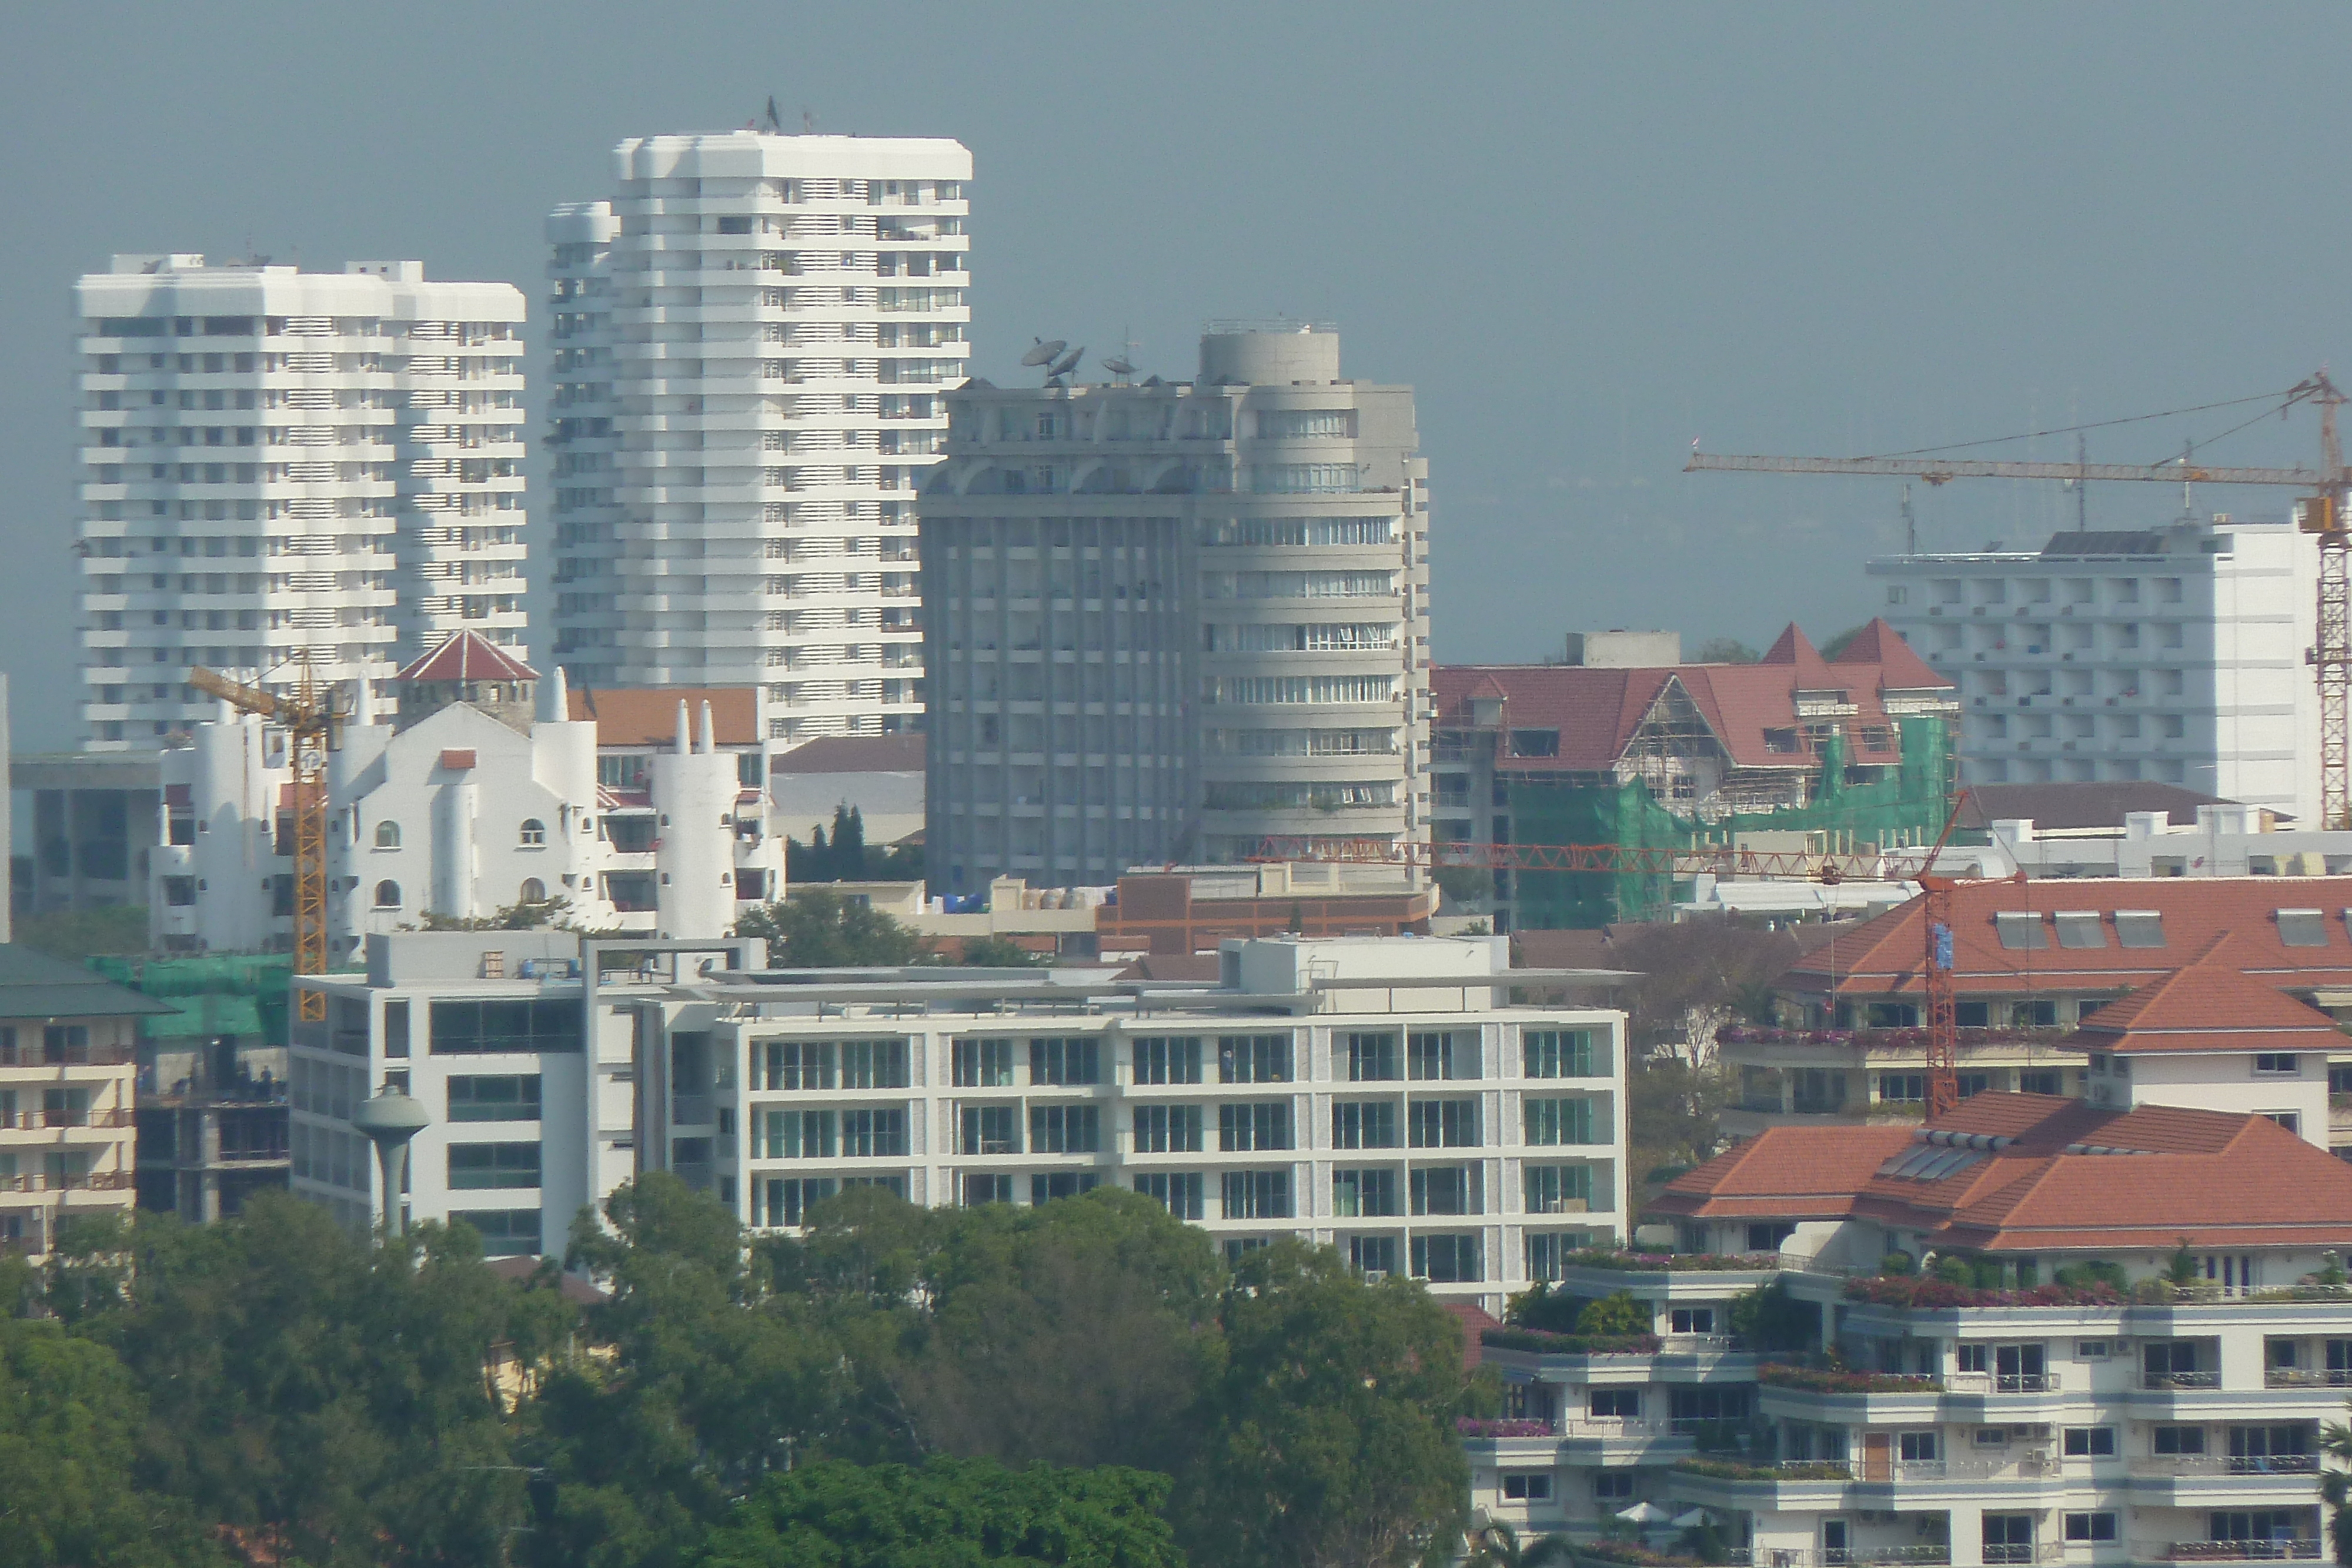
{"x": 2321, "y": 513}
{"x": 311, "y": 726}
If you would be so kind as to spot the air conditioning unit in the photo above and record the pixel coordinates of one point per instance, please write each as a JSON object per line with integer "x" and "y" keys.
{"x": 1375, "y": 1276}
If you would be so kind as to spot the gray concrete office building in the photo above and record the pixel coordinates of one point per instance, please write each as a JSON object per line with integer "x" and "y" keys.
{"x": 1169, "y": 620}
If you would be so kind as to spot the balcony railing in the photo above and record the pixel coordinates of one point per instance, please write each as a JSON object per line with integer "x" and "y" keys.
{"x": 2224, "y": 1551}
{"x": 83, "y": 1181}
{"x": 64, "y": 1055}
{"x": 2025, "y": 1552}
{"x": 2002, "y": 1382}
{"x": 2181, "y": 1380}
{"x": 2226, "y": 1464}
{"x": 2307, "y": 1377}
{"x": 1885, "y": 1556}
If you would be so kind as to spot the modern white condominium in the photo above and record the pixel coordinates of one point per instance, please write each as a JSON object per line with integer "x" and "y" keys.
{"x": 750, "y": 341}
{"x": 2175, "y": 654}
{"x": 280, "y": 465}
{"x": 1167, "y": 622}
{"x": 1376, "y": 1094}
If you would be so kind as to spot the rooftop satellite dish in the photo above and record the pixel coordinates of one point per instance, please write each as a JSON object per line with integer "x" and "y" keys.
{"x": 1067, "y": 362}
{"x": 1043, "y": 354}
{"x": 1117, "y": 366}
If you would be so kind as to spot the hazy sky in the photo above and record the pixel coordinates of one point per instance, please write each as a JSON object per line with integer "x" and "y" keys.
{"x": 1585, "y": 236}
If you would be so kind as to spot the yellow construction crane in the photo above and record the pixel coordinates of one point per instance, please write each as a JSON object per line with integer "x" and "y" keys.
{"x": 313, "y": 728}
{"x": 2322, "y": 512}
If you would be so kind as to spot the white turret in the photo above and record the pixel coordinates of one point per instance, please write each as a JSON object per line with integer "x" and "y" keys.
{"x": 694, "y": 798}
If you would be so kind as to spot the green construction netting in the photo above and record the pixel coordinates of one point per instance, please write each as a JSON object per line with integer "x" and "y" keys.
{"x": 244, "y": 995}
{"x": 1907, "y": 804}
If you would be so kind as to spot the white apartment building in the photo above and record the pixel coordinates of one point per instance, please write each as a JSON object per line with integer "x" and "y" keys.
{"x": 1375, "y": 1094}
{"x": 482, "y": 793}
{"x": 1167, "y": 622}
{"x": 68, "y": 1054}
{"x": 2135, "y": 1368}
{"x": 751, "y": 336}
{"x": 2175, "y": 654}
{"x": 280, "y": 466}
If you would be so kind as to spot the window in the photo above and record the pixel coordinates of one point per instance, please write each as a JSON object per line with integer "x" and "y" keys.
{"x": 1372, "y": 1058}
{"x": 1257, "y": 1125}
{"x": 2178, "y": 1440}
{"x": 1065, "y": 1129}
{"x": 513, "y": 1098}
{"x": 523, "y": 1024}
{"x": 532, "y": 891}
{"x": 1558, "y": 1122}
{"x": 1557, "y": 1190}
{"x": 1562, "y": 1053}
{"x": 1254, "y": 1059}
{"x": 1613, "y": 1486}
{"x": 1548, "y": 1253}
{"x": 1690, "y": 1320}
{"x": 984, "y": 1064}
{"x": 1442, "y": 1056}
{"x": 2282, "y": 1065}
{"x": 1047, "y": 1186}
{"x": 1065, "y": 1061}
{"x": 387, "y": 837}
{"x": 1364, "y": 1194}
{"x": 787, "y": 1199}
{"x": 874, "y": 1134}
{"x": 2290, "y": 1119}
{"x": 2303, "y": 928}
{"x": 1168, "y": 1060}
{"x": 1257, "y": 1195}
{"x": 2019, "y": 929}
{"x": 1370, "y": 1124}
{"x": 1178, "y": 1191}
{"x": 2090, "y": 1443}
{"x": 794, "y": 1064}
{"x": 505, "y": 1232}
{"x": 1901, "y": 1087}
{"x": 475, "y": 1165}
{"x": 980, "y": 1189}
{"x": 2265, "y": 1525}
{"x": 1768, "y": 1236}
{"x": 1918, "y": 1448}
{"x": 534, "y": 834}
{"x": 1446, "y": 1260}
{"x": 1616, "y": 1404}
{"x": 1376, "y": 1255}
{"x": 2139, "y": 929}
{"x": 395, "y": 1028}
{"x": 1446, "y": 1190}
{"x": 1441, "y": 1123}
{"x": 2093, "y": 1349}
{"x": 874, "y": 1064}
{"x": 2041, "y": 1080}
{"x": 1527, "y": 1486}
{"x": 990, "y": 1130}
{"x": 1971, "y": 1084}
{"x": 2090, "y": 1527}
{"x": 800, "y": 1135}
{"x": 1990, "y": 1437}
{"x": 387, "y": 895}
{"x": 1166, "y": 1129}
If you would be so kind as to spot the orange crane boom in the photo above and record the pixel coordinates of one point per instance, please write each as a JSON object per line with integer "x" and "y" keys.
{"x": 313, "y": 729}
{"x": 2323, "y": 513}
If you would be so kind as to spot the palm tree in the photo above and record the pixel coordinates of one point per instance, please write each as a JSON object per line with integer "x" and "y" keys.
{"x": 1498, "y": 1546}
{"x": 2335, "y": 1486}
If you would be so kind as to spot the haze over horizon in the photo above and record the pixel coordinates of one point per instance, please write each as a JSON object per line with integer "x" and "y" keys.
{"x": 1584, "y": 236}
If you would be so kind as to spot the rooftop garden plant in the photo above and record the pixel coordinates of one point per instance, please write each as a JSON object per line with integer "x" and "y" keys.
{"x": 1840, "y": 1380}
{"x": 1547, "y": 1344}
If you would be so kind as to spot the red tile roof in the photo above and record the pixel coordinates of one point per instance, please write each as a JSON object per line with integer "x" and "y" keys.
{"x": 467, "y": 656}
{"x": 647, "y": 715}
{"x": 2208, "y": 1004}
{"x": 1899, "y": 669}
{"x": 2018, "y": 1173}
{"x": 1795, "y": 649}
{"x": 1883, "y": 956}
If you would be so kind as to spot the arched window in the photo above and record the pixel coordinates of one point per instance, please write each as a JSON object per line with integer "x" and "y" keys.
{"x": 387, "y": 835}
{"x": 533, "y": 890}
{"x": 534, "y": 832}
{"x": 387, "y": 895}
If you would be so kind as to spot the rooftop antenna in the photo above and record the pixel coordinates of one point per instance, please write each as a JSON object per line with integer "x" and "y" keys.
{"x": 808, "y": 121}
{"x": 774, "y": 124}
{"x": 1122, "y": 365}
{"x": 2081, "y": 488}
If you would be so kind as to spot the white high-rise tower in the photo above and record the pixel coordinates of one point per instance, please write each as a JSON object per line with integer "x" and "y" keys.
{"x": 280, "y": 466}
{"x": 751, "y": 340}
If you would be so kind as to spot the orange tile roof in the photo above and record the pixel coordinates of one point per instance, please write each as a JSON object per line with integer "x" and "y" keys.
{"x": 1883, "y": 956}
{"x": 2208, "y": 1004}
{"x": 467, "y": 656}
{"x": 1899, "y": 669}
{"x": 647, "y": 715}
{"x": 2021, "y": 1174}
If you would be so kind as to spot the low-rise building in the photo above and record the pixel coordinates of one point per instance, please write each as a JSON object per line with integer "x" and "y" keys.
{"x": 68, "y": 1049}
{"x": 2137, "y": 1330}
{"x": 1379, "y": 1095}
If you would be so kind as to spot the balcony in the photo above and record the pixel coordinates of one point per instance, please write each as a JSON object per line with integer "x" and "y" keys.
{"x": 43, "y": 1055}
{"x": 2307, "y": 1377}
{"x": 23, "y": 1121}
{"x": 2191, "y": 1465}
{"x": 2220, "y": 1551}
{"x": 69, "y": 1181}
{"x": 1982, "y": 1383}
{"x": 2168, "y": 1380}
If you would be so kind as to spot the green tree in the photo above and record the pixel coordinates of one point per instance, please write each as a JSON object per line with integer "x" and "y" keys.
{"x": 1616, "y": 1313}
{"x": 950, "y": 1513}
{"x": 1843, "y": 640}
{"x": 1725, "y": 650}
{"x": 75, "y": 934}
{"x": 1332, "y": 1439}
{"x": 1001, "y": 953}
{"x": 848, "y": 844}
{"x": 2336, "y": 1487}
{"x": 1499, "y": 1546}
{"x": 815, "y": 929}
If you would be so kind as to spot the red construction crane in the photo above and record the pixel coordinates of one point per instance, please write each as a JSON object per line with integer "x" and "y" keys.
{"x": 2322, "y": 512}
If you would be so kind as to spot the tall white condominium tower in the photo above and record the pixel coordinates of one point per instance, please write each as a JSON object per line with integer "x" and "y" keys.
{"x": 751, "y": 340}
{"x": 279, "y": 466}
{"x": 2174, "y": 654}
{"x": 1167, "y": 621}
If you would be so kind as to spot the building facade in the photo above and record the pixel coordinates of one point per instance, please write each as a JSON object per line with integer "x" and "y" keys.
{"x": 751, "y": 338}
{"x": 280, "y": 466}
{"x": 480, "y": 793}
{"x": 1167, "y": 621}
{"x": 68, "y": 1054}
{"x": 2101, "y": 1367}
{"x": 2174, "y": 654}
{"x": 1367, "y": 1094}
